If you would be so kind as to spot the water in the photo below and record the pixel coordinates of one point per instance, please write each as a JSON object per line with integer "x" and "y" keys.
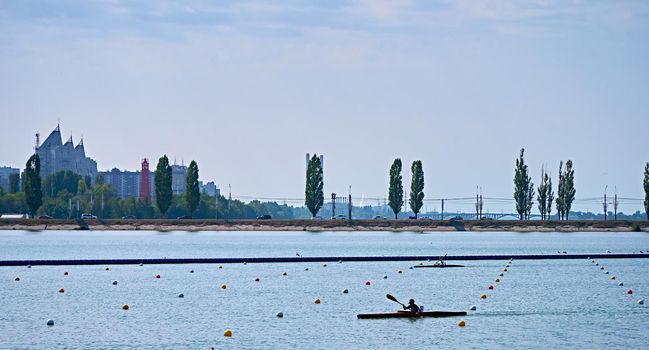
{"x": 537, "y": 304}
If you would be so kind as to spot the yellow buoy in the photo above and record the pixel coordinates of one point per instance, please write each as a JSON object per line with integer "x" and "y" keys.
{"x": 125, "y": 307}
{"x": 224, "y": 286}
{"x": 483, "y": 296}
{"x": 497, "y": 280}
{"x": 316, "y": 301}
{"x": 461, "y": 323}
{"x": 61, "y": 290}
{"x": 227, "y": 333}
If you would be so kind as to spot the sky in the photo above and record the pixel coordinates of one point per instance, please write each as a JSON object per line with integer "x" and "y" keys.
{"x": 246, "y": 88}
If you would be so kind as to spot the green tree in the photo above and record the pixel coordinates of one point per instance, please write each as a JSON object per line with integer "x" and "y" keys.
{"x": 417, "y": 187}
{"x": 395, "y": 192}
{"x": 550, "y": 197}
{"x": 569, "y": 189}
{"x": 645, "y": 184}
{"x": 192, "y": 193}
{"x": 14, "y": 183}
{"x": 542, "y": 194}
{"x": 313, "y": 193}
{"x": 561, "y": 207}
{"x": 33, "y": 191}
{"x": 162, "y": 182}
{"x": 523, "y": 188}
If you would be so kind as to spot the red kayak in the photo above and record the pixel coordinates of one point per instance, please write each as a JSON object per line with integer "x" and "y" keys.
{"x": 408, "y": 314}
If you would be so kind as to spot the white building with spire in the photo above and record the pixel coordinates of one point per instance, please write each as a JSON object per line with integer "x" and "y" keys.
{"x": 58, "y": 156}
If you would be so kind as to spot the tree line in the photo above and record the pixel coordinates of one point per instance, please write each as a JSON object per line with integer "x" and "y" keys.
{"x": 49, "y": 197}
{"x": 66, "y": 194}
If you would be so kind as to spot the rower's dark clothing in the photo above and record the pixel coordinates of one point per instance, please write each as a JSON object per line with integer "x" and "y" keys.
{"x": 412, "y": 307}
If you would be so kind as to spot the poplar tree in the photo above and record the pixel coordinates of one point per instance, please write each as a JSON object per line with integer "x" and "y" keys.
{"x": 33, "y": 191}
{"x": 395, "y": 192}
{"x": 645, "y": 184}
{"x": 542, "y": 194}
{"x": 569, "y": 189}
{"x": 550, "y": 197}
{"x": 560, "y": 194}
{"x": 523, "y": 188}
{"x": 417, "y": 187}
{"x": 192, "y": 192}
{"x": 162, "y": 184}
{"x": 313, "y": 193}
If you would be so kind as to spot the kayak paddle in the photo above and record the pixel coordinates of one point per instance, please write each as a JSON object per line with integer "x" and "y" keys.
{"x": 394, "y": 299}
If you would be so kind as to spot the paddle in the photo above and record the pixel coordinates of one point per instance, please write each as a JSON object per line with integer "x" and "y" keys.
{"x": 394, "y": 299}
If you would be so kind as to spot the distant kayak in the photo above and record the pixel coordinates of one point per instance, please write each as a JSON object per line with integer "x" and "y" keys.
{"x": 437, "y": 266}
{"x": 408, "y": 314}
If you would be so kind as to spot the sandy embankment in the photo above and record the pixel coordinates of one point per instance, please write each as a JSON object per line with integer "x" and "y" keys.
{"x": 324, "y": 225}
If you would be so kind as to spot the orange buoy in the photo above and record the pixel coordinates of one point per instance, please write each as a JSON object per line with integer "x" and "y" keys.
{"x": 461, "y": 323}
{"x": 125, "y": 307}
{"x": 224, "y": 286}
{"x": 316, "y": 301}
{"x": 61, "y": 290}
{"x": 483, "y": 296}
{"x": 227, "y": 333}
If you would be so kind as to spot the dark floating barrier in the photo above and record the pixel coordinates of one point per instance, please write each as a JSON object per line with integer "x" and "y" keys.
{"x": 303, "y": 259}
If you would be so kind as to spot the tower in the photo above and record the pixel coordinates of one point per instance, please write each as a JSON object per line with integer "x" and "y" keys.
{"x": 144, "y": 181}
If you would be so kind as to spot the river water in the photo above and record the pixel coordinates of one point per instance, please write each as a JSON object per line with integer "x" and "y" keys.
{"x": 537, "y": 304}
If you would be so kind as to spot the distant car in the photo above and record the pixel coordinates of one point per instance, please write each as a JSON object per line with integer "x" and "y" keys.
{"x": 338, "y": 217}
{"x": 184, "y": 217}
{"x": 412, "y": 217}
{"x": 88, "y": 216}
{"x": 264, "y": 217}
{"x": 128, "y": 217}
{"x": 486, "y": 218}
{"x": 379, "y": 217}
{"x": 316, "y": 218}
{"x": 44, "y": 217}
{"x": 457, "y": 218}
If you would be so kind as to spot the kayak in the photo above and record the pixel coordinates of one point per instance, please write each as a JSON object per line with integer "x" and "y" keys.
{"x": 437, "y": 266}
{"x": 408, "y": 314}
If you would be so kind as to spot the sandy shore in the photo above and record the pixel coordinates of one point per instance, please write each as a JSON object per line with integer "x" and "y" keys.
{"x": 324, "y": 225}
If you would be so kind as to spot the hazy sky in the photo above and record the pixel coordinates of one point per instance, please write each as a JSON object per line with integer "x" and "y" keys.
{"x": 247, "y": 88}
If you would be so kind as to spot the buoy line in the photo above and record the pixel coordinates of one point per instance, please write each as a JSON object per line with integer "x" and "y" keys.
{"x": 614, "y": 278}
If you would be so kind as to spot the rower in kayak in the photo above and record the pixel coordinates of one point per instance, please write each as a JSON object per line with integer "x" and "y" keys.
{"x": 412, "y": 307}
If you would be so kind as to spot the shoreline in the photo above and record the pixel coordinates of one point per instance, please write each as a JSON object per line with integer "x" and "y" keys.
{"x": 421, "y": 226}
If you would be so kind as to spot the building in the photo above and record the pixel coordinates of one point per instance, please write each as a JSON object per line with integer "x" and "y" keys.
{"x": 126, "y": 184}
{"x": 5, "y": 172}
{"x": 178, "y": 178}
{"x": 209, "y": 188}
{"x": 57, "y": 156}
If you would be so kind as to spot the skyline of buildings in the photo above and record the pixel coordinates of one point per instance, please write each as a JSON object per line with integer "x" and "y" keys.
{"x": 58, "y": 156}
